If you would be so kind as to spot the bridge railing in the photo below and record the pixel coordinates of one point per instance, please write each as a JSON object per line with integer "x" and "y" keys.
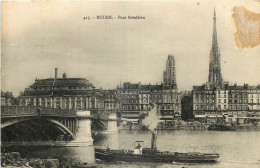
{"x": 18, "y": 110}
{"x": 57, "y": 112}
{"x": 34, "y": 111}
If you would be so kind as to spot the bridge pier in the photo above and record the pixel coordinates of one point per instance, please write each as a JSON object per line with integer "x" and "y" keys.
{"x": 112, "y": 129}
{"x": 82, "y": 143}
{"x": 82, "y": 136}
{"x": 112, "y": 124}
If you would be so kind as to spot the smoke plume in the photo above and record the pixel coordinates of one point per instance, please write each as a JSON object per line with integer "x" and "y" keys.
{"x": 152, "y": 120}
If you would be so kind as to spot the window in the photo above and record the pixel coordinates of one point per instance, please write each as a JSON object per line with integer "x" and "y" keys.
{"x": 213, "y": 107}
{"x": 225, "y": 96}
{"x": 219, "y": 92}
{"x": 197, "y": 107}
{"x": 251, "y": 101}
{"x": 219, "y": 107}
{"x": 219, "y": 100}
{"x": 202, "y": 106}
{"x": 230, "y": 107}
{"x": 225, "y": 100}
{"x": 213, "y": 100}
{"x": 240, "y": 100}
{"x": 207, "y": 100}
{"x": 235, "y": 100}
{"x": 201, "y": 100}
{"x": 240, "y": 107}
{"x": 225, "y": 106}
{"x": 257, "y": 100}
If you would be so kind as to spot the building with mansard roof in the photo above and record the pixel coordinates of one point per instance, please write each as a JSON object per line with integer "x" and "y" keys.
{"x": 65, "y": 93}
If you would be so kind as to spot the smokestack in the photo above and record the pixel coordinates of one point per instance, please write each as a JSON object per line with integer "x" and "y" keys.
{"x": 154, "y": 139}
{"x": 56, "y": 73}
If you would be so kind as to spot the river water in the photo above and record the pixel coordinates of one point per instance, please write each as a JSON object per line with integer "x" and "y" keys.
{"x": 237, "y": 149}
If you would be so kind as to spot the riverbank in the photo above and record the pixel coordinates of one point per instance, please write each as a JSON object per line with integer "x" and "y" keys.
{"x": 14, "y": 160}
{"x": 188, "y": 126}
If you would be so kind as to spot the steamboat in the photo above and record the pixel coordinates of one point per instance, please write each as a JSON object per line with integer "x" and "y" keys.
{"x": 140, "y": 154}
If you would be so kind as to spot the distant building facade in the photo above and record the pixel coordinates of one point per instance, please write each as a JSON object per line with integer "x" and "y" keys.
{"x": 217, "y": 100}
{"x": 112, "y": 102}
{"x": 138, "y": 100}
{"x": 7, "y": 98}
{"x": 65, "y": 93}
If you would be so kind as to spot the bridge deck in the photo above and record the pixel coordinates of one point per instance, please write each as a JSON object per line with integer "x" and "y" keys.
{"x": 23, "y": 111}
{"x": 33, "y": 111}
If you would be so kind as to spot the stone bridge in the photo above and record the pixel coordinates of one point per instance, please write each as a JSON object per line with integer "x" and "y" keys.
{"x": 31, "y": 125}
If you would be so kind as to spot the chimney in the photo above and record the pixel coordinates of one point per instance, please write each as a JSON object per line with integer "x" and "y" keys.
{"x": 56, "y": 73}
{"x": 154, "y": 139}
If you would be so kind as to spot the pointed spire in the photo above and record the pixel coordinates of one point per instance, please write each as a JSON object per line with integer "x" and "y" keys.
{"x": 215, "y": 76}
{"x": 214, "y": 17}
{"x": 214, "y": 38}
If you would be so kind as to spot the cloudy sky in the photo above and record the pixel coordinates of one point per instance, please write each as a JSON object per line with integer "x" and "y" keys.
{"x": 39, "y": 36}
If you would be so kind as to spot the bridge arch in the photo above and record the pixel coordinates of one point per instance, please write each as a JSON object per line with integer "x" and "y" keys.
{"x": 27, "y": 121}
{"x": 62, "y": 126}
{"x": 99, "y": 125}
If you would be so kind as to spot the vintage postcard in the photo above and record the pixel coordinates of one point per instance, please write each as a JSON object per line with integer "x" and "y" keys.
{"x": 130, "y": 84}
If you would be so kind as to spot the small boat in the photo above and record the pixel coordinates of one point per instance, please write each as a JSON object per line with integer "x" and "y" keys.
{"x": 140, "y": 154}
{"x": 221, "y": 127}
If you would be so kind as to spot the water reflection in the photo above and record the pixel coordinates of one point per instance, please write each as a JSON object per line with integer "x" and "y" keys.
{"x": 111, "y": 136}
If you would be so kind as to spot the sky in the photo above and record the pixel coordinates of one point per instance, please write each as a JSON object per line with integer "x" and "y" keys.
{"x": 40, "y": 36}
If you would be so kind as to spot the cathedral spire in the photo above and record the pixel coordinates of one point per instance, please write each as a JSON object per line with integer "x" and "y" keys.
{"x": 215, "y": 77}
{"x": 214, "y": 38}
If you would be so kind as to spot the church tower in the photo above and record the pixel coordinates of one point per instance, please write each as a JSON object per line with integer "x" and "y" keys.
{"x": 169, "y": 76}
{"x": 215, "y": 76}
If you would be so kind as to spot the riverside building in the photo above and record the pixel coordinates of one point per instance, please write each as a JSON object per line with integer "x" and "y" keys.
{"x": 7, "y": 98}
{"x": 65, "y": 93}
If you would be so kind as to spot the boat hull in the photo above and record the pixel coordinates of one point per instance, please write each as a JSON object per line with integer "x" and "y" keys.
{"x": 162, "y": 157}
{"x": 216, "y": 127}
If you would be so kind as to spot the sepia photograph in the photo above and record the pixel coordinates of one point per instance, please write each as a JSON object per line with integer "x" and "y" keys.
{"x": 146, "y": 84}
